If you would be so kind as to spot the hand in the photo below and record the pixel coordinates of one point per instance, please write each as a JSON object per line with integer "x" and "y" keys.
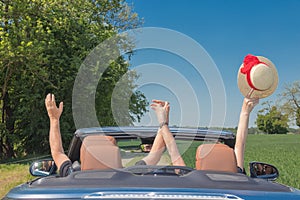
{"x": 54, "y": 112}
{"x": 249, "y": 104}
{"x": 162, "y": 109}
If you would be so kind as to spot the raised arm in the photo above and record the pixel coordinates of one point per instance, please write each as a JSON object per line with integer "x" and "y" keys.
{"x": 55, "y": 140}
{"x": 242, "y": 131}
{"x": 156, "y": 151}
{"x": 158, "y": 146}
{"x": 162, "y": 110}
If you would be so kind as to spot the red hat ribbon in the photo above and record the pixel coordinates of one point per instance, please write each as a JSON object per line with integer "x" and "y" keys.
{"x": 249, "y": 62}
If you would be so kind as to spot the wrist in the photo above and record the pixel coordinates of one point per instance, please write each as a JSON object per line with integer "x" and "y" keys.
{"x": 163, "y": 124}
{"x": 53, "y": 119}
{"x": 245, "y": 113}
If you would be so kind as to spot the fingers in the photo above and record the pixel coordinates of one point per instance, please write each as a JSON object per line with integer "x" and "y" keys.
{"x": 53, "y": 111}
{"x": 167, "y": 106}
{"x": 253, "y": 101}
{"x": 154, "y": 105}
{"x": 157, "y": 101}
{"x": 249, "y": 104}
{"x": 161, "y": 102}
{"x": 50, "y": 101}
{"x": 52, "y": 98}
{"x": 61, "y": 106}
{"x": 250, "y": 93}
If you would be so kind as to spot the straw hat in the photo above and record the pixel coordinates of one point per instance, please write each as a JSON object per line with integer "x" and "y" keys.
{"x": 259, "y": 74}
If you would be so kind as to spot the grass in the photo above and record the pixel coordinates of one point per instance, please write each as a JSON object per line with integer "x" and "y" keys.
{"x": 280, "y": 150}
{"x": 12, "y": 175}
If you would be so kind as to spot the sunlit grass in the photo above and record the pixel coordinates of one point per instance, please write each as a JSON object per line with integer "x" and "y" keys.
{"x": 12, "y": 175}
{"x": 280, "y": 150}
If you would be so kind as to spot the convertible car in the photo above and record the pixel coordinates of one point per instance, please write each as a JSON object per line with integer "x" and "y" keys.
{"x": 104, "y": 168}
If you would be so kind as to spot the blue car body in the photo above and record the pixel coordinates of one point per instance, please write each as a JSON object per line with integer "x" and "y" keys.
{"x": 124, "y": 185}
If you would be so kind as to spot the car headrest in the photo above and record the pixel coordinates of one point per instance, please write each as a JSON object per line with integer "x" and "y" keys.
{"x": 99, "y": 152}
{"x": 217, "y": 157}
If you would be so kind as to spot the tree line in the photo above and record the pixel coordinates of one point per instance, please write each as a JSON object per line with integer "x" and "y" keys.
{"x": 276, "y": 117}
{"x": 42, "y": 46}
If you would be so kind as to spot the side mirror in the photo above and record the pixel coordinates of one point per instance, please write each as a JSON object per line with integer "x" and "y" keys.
{"x": 42, "y": 168}
{"x": 146, "y": 148}
{"x": 263, "y": 171}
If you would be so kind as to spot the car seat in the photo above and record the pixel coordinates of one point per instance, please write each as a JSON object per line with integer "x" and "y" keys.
{"x": 216, "y": 157}
{"x": 100, "y": 152}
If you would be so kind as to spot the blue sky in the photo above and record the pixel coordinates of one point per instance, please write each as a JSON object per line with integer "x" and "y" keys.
{"x": 228, "y": 30}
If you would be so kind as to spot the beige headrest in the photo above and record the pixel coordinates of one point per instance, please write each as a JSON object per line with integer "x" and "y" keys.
{"x": 217, "y": 157}
{"x": 99, "y": 152}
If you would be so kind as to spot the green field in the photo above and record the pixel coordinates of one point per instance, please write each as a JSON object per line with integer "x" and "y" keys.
{"x": 283, "y": 151}
{"x": 12, "y": 175}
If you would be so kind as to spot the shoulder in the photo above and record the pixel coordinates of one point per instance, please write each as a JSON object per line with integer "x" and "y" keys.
{"x": 66, "y": 168}
{"x": 242, "y": 171}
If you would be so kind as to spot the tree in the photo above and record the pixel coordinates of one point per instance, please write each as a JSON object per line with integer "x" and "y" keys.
{"x": 290, "y": 99}
{"x": 271, "y": 121}
{"x": 42, "y": 45}
{"x": 298, "y": 117}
